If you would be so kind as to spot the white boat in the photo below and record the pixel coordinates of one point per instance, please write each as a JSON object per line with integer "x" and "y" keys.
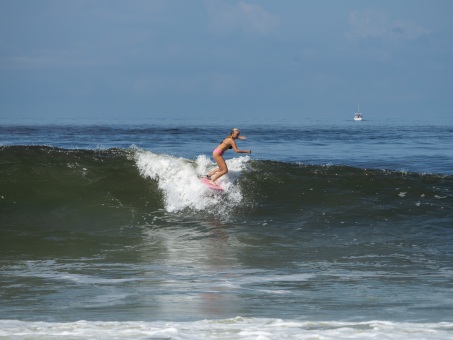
{"x": 358, "y": 116}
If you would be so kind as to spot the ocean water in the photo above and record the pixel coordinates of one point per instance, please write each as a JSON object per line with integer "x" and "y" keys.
{"x": 326, "y": 231}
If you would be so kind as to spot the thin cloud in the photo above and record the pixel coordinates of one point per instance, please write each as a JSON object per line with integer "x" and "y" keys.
{"x": 373, "y": 24}
{"x": 51, "y": 59}
{"x": 250, "y": 18}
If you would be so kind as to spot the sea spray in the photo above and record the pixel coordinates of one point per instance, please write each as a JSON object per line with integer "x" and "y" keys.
{"x": 179, "y": 180}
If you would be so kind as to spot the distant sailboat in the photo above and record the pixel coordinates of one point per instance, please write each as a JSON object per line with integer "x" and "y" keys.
{"x": 358, "y": 116}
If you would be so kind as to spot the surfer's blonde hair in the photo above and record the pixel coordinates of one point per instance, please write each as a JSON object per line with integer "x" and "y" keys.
{"x": 234, "y": 130}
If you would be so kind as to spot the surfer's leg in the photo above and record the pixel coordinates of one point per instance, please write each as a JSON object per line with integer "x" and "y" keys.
{"x": 216, "y": 154}
{"x": 222, "y": 170}
{"x": 212, "y": 173}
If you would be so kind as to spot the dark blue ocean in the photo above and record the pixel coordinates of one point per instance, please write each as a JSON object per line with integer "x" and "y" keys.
{"x": 326, "y": 231}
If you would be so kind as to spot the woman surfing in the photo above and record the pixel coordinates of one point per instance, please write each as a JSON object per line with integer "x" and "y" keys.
{"x": 228, "y": 143}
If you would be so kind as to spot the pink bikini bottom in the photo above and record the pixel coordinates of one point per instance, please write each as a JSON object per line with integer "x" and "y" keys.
{"x": 218, "y": 151}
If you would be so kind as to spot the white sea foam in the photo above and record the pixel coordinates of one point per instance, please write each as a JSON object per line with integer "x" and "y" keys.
{"x": 235, "y": 328}
{"x": 178, "y": 178}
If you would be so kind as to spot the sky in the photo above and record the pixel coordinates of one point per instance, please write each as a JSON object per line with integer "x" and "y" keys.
{"x": 213, "y": 60}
